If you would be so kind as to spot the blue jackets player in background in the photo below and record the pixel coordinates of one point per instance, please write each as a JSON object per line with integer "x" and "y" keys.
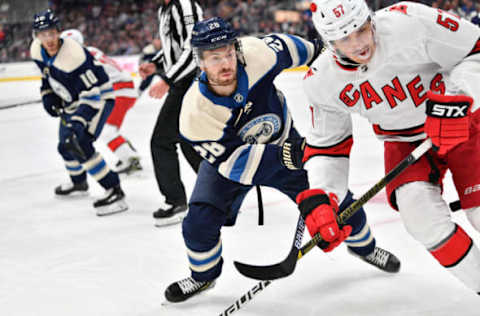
{"x": 76, "y": 88}
{"x": 240, "y": 124}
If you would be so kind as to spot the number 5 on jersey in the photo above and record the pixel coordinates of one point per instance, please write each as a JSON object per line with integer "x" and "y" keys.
{"x": 210, "y": 151}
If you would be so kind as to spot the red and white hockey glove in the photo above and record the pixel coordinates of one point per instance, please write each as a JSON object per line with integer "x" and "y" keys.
{"x": 320, "y": 213}
{"x": 448, "y": 120}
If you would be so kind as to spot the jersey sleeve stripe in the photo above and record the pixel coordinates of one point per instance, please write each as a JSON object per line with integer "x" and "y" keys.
{"x": 301, "y": 49}
{"x": 243, "y": 163}
{"x": 412, "y": 131}
{"x": 341, "y": 149}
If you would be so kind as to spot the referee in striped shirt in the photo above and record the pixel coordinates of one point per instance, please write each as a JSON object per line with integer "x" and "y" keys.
{"x": 175, "y": 65}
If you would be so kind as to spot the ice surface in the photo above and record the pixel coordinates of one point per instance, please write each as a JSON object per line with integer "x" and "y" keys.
{"x": 57, "y": 258}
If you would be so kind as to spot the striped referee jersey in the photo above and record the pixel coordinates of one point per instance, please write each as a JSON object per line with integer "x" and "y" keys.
{"x": 176, "y": 21}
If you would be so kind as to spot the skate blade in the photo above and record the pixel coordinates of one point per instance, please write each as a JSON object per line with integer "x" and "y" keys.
{"x": 72, "y": 196}
{"x": 117, "y": 207}
{"x": 175, "y": 219}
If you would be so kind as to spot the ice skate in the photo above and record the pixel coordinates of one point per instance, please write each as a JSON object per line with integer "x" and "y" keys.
{"x": 113, "y": 202}
{"x": 184, "y": 289}
{"x": 173, "y": 214}
{"x": 72, "y": 189}
{"x": 382, "y": 259}
{"x": 129, "y": 166}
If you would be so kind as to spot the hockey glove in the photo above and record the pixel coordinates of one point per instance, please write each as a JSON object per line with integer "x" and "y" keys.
{"x": 320, "y": 213}
{"x": 448, "y": 120}
{"x": 52, "y": 103}
{"x": 291, "y": 153}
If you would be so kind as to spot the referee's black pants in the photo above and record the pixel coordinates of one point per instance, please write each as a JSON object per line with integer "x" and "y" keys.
{"x": 163, "y": 146}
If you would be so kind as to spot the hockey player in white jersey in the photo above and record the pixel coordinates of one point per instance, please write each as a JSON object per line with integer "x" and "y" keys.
{"x": 76, "y": 88}
{"x": 413, "y": 72}
{"x": 125, "y": 97}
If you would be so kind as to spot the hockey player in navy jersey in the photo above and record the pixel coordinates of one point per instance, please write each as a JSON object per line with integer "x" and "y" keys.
{"x": 76, "y": 88}
{"x": 128, "y": 160}
{"x": 240, "y": 124}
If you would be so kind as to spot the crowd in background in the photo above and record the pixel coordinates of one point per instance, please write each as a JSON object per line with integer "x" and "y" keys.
{"x": 124, "y": 27}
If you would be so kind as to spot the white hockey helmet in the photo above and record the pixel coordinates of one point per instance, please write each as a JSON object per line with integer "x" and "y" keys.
{"x": 335, "y": 19}
{"x": 73, "y": 34}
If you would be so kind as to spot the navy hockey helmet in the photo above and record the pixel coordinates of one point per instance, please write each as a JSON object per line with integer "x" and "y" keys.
{"x": 45, "y": 20}
{"x": 211, "y": 34}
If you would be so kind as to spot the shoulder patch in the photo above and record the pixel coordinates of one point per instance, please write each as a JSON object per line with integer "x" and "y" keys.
{"x": 71, "y": 56}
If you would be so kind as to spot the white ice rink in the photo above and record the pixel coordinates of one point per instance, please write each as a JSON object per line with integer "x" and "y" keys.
{"x": 58, "y": 259}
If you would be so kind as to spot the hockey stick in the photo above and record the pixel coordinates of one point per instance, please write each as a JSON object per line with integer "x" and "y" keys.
{"x": 287, "y": 266}
{"x": 245, "y": 298}
{"x": 276, "y": 271}
{"x": 9, "y": 106}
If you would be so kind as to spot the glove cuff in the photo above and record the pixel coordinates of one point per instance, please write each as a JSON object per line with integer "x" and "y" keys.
{"x": 442, "y": 98}
{"x": 308, "y": 200}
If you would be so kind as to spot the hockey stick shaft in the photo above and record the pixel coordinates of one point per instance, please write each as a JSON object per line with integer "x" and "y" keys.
{"x": 23, "y": 103}
{"x": 245, "y": 298}
{"x": 287, "y": 266}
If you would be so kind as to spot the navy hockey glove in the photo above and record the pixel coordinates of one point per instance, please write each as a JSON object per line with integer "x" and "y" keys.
{"x": 291, "y": 153}
{"x": 448, "y": 120}
{"x": 320, "y": 213}
{"x": 52, "y": 103}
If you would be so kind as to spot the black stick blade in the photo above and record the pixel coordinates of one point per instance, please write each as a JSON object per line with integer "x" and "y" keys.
{"x": 270, "y": 272}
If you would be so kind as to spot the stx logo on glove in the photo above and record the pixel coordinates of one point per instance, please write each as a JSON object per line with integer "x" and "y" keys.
{"x": 447, "y": 111}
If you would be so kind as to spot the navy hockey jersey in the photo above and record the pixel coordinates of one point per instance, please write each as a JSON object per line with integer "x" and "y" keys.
{"x": 74, "y": 75}
{"x": 240, "y": 135}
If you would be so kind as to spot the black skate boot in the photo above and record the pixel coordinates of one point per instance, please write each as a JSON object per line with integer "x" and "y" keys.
{"x": 184, "y": 289}
{"x": 113, "y": 202}
{"x": 72, "y": 189}
{"x": 382, "y": 259}
{"x": 173, "y": 214}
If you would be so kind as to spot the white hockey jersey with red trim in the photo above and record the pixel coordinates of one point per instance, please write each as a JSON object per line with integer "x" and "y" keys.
{"x": 418, "y": 49}
{"x": 121, "y": 80}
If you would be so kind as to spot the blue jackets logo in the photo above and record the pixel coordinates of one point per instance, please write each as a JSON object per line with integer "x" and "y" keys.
{"x": 261, "y": 129}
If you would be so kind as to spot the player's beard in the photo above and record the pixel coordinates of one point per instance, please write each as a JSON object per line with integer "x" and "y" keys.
{"x": 225, "y": 77}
